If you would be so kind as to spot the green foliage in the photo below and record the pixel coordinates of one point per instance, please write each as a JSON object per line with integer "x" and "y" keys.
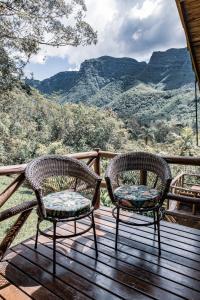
{"x": 147, "y": 134}
{"x": 105, "y": 199}
{"x": 26, "y": 25}
{"x": 21, "y": 195}
{"x": 186, "y": 142}
{"x": 31, "y": 126}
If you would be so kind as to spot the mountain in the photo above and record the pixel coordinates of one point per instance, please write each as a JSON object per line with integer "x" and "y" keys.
{"x": 146, "y": 91}
{"x": 167, "y": 70}
{"x": 61, "y": 82}
{"x": 94, "y": 74}
{"x": 171, "y": 69}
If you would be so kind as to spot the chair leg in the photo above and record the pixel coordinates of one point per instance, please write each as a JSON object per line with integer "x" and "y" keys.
{"x": 94, "y": 232}
{"x": 117, "y": 228}
{"x": 158, "y": 226}
{"x": 54, "y": 247}
{"x": 74, "y": 227}
{"x": 154, "y": 219}
{"x": 37, "y": 233}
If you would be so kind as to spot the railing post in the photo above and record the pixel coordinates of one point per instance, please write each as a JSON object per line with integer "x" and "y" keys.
{"x": 97, "y": 169}
{"x": 143, "y": 177}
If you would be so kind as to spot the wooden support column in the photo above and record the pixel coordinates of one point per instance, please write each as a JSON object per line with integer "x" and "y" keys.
{"x": 143, "y": 177}
{"x": 97, "y": 170}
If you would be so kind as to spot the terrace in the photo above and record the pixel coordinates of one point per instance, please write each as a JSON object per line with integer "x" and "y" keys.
{"x": 135, "y": 271}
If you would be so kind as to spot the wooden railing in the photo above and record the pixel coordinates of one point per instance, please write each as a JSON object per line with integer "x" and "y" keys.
{"x": 93, "y": 159}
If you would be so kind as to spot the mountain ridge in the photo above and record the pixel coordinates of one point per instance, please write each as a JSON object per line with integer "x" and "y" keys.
{"x": 130, "y": 88}
{"x": 170, "y": 69}
{"x": 159, "y": 89}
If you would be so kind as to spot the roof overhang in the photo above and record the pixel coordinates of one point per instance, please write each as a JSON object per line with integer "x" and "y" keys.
{"x": 189, "y": 11}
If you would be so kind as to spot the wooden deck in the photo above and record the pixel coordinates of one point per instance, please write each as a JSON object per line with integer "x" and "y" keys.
{"x": 134, "y": 272}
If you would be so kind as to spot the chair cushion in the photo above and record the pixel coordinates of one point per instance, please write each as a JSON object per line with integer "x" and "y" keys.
{"x": 66, "y": 204}
{"x": 136, "y": 196}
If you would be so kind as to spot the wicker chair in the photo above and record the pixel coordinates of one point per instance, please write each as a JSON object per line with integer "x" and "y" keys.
{"x": 138, "y": 182}
{"x": 66, "y": 190}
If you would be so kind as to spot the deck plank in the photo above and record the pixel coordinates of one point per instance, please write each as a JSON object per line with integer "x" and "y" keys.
{"x": 26, "y": 283}
{"x": 133, "y": 272}
{"x": 163, "y": 287}
{"x": 67, "y": 271}
{"x": 137, "y": 283}
{"x": 135, "y": 264}
{"x": 10, "y": 291}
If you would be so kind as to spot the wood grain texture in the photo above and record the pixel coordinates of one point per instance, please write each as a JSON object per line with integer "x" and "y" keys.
{"x": 134, "y": 272}
{"x": 189, "y": 11}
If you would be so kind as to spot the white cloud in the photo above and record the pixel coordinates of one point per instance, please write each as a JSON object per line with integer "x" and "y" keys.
{"x": 145, "y": 10}
{"x": 131, "y": 28}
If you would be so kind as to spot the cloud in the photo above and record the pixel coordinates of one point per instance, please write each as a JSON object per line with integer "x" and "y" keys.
{"x": 143, "y": 32}
{"x": 133, "y": 28}
{"x": 145, "y": 10}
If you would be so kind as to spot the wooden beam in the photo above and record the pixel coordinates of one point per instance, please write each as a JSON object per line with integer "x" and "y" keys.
{"x": 183, "y": 199}
{"x": 18, "y": 169}
{"x": 7, "y": 193}
{"x": 183, "y": 16}
{"x": 13, "y": 211}
{"x": 13, "y": 231}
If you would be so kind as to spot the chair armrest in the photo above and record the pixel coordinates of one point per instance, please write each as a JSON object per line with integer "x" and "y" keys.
{"x": 96, "y": 192}
{"x": 110, "y": 188}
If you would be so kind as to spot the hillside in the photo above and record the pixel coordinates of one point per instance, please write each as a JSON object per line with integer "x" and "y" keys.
{"x": 30, "y": 126}
{"x": 147, "y": 104}
{"x": 169, "y": 69}
{"x": 160, "y": 88}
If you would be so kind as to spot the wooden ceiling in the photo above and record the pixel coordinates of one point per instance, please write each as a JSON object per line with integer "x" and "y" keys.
{"x": 189, "y": 11}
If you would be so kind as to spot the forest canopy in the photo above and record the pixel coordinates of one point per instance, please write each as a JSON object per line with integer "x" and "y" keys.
{"x": 25, "y": 25}
{"x": 31, "y": 126}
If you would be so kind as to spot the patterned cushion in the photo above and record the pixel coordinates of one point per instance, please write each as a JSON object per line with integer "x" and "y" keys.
{"x": 66, "y": 204}
{"x": 136, "y": 196}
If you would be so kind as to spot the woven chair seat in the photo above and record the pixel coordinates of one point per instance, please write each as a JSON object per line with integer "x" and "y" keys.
{"x": 66, "y": 204}
{"x": 136, "y": 196}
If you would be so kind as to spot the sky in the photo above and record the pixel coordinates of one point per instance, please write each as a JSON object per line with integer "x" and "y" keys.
{"x": 126, "y": 28}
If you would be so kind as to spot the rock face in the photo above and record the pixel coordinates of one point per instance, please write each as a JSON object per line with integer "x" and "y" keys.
{"x": 112, "y": 68}
{"x": 61, "y": 82}
{"x": 171, "y": 68}
{"x": 102, "y": 76}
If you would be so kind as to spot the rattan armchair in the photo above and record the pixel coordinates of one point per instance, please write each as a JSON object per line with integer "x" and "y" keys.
{"x": 138, "y": 182}
{"x": 66, "y": 190}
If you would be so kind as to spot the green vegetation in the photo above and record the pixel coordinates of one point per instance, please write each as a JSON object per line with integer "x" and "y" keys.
{"x": 31, "y": 126}
{"x": 26, "y": 25}
{"x": 113, "y": 104}
{"x": 22, "y": 194}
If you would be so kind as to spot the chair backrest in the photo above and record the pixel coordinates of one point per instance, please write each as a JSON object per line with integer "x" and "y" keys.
{"x": 138, "y": 161}
{"x": 56, "y": 165}
{"x": 53, "y": 173}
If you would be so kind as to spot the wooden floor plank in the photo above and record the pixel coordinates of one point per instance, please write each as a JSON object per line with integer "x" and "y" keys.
{"x": 134, "y": 264}
{"x": 170, "y": 252}
{"x": 26, "y": 283}
{"x": 10, "y": 291}
{"x": 167, "y": 287}
{"x": 132, "y": 280}
{"x": 88, "y": 271}
{"x": 173, "y": 226}
{"x": 45, "y": 278}
{"x": 147, "y": 236}
{"x": 107, "y": 238}
{"x": 167, "y": 232}
{"x": 135, "y": 271}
